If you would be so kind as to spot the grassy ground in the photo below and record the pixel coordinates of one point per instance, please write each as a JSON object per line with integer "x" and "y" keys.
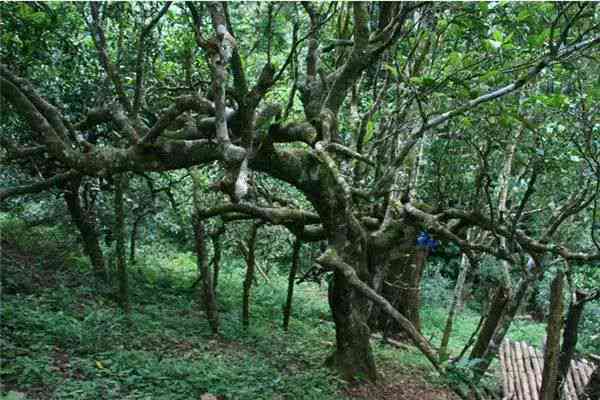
{"x": 65, "y": 343}
{"x": 61, "y": 340}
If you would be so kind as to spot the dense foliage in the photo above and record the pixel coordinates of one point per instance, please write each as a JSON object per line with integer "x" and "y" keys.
{"x": 398, "y": 152}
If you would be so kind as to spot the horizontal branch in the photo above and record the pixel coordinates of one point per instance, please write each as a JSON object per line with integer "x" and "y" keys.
{"x": 275, "y": 215}
{"x": 38, "y": 186}
{"x": 526, "y": 242}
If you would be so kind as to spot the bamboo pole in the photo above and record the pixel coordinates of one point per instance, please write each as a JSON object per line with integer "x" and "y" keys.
{"x": 507, "y": 371}
{"x": 529, "y": 354}
{"x": 537, "y": 362}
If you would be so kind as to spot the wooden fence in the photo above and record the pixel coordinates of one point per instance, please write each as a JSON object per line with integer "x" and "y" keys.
{"x": 522, "y": 367}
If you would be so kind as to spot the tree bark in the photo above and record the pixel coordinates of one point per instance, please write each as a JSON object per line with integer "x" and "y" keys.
{"x": 570, "y": 336}
{"x": 120, "y": 188}
{"x": 352, "y": 356}
{"x": 402, "y": 287}
{"x": 495, "y": 314}
{"x": 250, "y": 271}
{"x": 458, "y": 294}
{"x": 207, "y": 296}
{"x": 550, "y": 374}
{"x": 287, "y": 309}
{"x": 217, "y": 250}
{"x": 205, "y": 275}
{"x": 410, "y": 294}
{"x": 501, "y": 329}
{"x": 133, "y": 237}
{"x": 87, "y": 229}
{"x": 350, "y": 310}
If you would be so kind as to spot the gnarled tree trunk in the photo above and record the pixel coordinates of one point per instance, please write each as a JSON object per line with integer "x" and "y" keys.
{"x": 353, "y": 356}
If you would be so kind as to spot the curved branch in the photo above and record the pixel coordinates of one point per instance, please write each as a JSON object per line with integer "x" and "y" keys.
{"x": 329, "y": 259}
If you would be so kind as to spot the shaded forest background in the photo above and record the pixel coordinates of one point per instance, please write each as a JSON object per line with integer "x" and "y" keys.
{"x": 296, "y": 200}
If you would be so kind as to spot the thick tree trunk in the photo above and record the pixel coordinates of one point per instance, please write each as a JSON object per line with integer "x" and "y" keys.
{"x": 379, "y": 265}
{"x": 207, "y": 296}
{"x": 410, "y": 294}
{"x": 350, "y": 310}
{"x": 550, "y": 374}
{"x": 402, "y": 287}
{"x": 287, "y": 309}
{"x": 87, "y": 229}
{"x": 120, "y": 188}
{"x": 352, "y": 356}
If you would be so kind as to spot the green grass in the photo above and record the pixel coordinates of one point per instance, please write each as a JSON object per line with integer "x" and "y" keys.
{"x": 66, "y": 343}
{"x": 434, "y": 321}
{"x": 62, "y": 339}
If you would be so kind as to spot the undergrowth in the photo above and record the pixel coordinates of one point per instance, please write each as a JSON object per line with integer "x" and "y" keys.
{"x": 63, "y": 337}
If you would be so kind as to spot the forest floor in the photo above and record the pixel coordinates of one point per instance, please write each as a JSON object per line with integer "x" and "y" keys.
{"x": 62, "y": 338}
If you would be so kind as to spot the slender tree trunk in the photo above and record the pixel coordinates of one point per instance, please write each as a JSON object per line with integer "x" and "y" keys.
{"x": 550, "y": 373}
{"x": 217, "y": 250}
{"x": 206, "y": 276}
{"x": 570, "y": 336}
{"x": 503, "y": 201}
{"x": 87, "y": 229}
{"x": 501, "y": 329}
{"x": 495, "y": 314}
{"x": 287, "y": 310}
{"x": 458, "y": 294}
{"x": 250, "y": 271}
{"x": 120, "y": 188}
{"x": 133, "y": 238}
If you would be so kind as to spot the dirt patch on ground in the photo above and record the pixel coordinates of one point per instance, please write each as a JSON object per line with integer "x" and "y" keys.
{"x": 400, "y": 386}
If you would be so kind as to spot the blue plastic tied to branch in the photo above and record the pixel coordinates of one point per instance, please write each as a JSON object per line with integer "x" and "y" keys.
{"x": 427, "y": 242}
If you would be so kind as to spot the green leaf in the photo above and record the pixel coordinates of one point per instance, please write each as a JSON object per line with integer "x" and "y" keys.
{"x": 523, "y": 14}
{"x": 455, "y": 58}
{"x": 494, "y": 43}
{"x": 391, "y": 69}
{"x": 370, "y": 130}
{"x": 498, "y": 36}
